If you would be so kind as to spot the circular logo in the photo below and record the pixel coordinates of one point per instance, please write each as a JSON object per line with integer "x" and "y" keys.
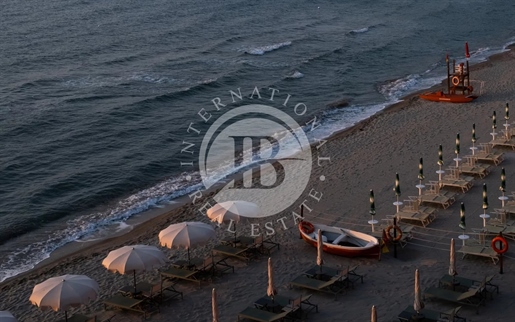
{"x": 267, "y": 153}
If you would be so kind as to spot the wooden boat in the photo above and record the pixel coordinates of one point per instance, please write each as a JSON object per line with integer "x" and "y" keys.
{"x": 459, "y": 89}
{"x": 340, "y": 241}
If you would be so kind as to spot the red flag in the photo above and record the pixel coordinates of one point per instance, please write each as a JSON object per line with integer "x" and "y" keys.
{"x": 467, "y": 50}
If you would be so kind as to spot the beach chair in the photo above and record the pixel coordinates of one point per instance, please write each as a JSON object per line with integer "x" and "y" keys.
{"x": 502, "y": 141}
{"x": 480, "y": 250}
{"x": 254, "y": 314}
{"x": 265, "y": 245}
{"x": 486, "y": 154}
{"x": 162, "y": 292}
{"x": 431, "y": 315}
{"x": 467, "y": 283}
{"x": 334, "y": 285}
{"x": 176, "y": 274}
{"x": 473, "y": 297}
{"x": 79, "y": 318}
{"x": 126, "y": 303}
{"x": 241, "y": 253}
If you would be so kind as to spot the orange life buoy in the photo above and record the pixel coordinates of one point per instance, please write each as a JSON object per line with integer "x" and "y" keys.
{"x": 455, "y": 80}
{"x": 504, "y": 245}
{"x": 390, "y": 236}
{"x": 307, "y": 227}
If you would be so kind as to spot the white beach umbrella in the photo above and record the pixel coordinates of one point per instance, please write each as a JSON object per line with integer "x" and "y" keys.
{"x": 6, "y": 316}
{"x": 320, "y": 249}
{"x": 63, "y": 292}
{"x": 417, "y": 304}
{"x": 132, "y": 259}
{"x": 186, "y": 235}
{"x": 270, "y": 291}
{"x": 214, "y": 305}
{"x": 373, "y": 316}
{"x": 231, "y": 211}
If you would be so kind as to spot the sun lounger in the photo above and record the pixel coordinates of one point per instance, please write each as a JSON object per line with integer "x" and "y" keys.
{"x": 175, "y": 274}
{"x": 437, "y": 199}
{"x": 265, "y": 245}
{"x": 255, "y": 314}
{"x": 486, "y": 154}
{"x": 299, "y": 307}
{"x": 479, "y": 250}
{"x": 432, "y": 315}
{"x": 472, "y": 297}
{"x": 467, "y": 283}
{"x": 334, "y": 285}
{"x": 126, "y": 303}
{"x": 503, "y": 142}
{"x": 234, "y": 252}
{"x": 423, "y": 218}
{"x": 79, "y": 318}
{"x": 162, "y": 292}
{"x": 457, "y": 183}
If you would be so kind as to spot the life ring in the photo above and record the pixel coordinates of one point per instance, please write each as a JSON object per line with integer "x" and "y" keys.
{"x": 455, "y": 80}
{"x": 307, "y": 227}
{"x": 390, "y": 236}
{"x": 504, "y": 245}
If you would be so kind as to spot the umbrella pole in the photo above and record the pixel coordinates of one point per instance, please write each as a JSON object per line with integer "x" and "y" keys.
{"x": 235, "y": 231}
{"x": 188, "y": 256}
{"x": 66, "y": 316}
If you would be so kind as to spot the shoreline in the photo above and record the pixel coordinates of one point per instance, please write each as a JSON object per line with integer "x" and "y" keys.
{"x": 76, "y": 249}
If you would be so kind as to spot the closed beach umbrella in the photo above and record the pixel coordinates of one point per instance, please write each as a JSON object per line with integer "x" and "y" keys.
{"x": 494, "y": 121}
{"x": 372, "y": 203}
{"x": 417, "y": 303}
{"x": 421, "y": 169}
{"x": 440, "y": 155}
{"x": 270, "y": 291}
{"x": 63, "y": 292}
{"x": 457, "y": 148}
{"x": 452, "y": 260}
{"x": 507, "y": 112}
{"x": 132, "y": 259}
{"x": 6, "y": 316}
{"x": 214, "y": 305}
{"x": 474, "y": 139}
{"x": 462, "y": 217}
{"x": 397, "y": 188}
{"x": 373, "y": 316}
{"x": 485, "y": 197}
{"x": 320, "y": 249}
{"x": 186, "y": 235}
{"x": 503, "y": 181}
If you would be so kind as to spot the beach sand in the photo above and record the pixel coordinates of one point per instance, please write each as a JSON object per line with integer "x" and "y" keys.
{"x": 365, "y": 157}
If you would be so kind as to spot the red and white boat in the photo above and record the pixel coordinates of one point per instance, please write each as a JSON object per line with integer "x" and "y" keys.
{"x": 340, "y": 241}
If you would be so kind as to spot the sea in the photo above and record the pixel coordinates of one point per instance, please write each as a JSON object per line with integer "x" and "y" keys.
{"x": 96, "y": 96}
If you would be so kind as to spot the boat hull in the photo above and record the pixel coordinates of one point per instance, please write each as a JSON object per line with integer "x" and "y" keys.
{"x": 369, "y": 245}
{"x": 447, "y": 98}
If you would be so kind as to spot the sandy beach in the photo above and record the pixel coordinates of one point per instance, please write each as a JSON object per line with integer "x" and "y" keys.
{"x": 365, "y": 157}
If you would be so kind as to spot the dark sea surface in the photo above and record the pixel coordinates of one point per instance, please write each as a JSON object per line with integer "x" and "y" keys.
{"x": 96, "y": 97}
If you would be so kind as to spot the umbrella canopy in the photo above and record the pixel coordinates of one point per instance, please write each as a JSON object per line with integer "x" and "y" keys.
{"x": 485, "y": 197}
{"x": 214, "y": 306}
{"x": 373, "y": 316}
{"x": 320, "y": 248}
{"x": 228, "y": 211}
{"x": 462, "y": 216}
{"x": 132, "y": 259}
{"x": 421, "y": 169}
{"x": 6, "y": 316}
{"x": 417, "y": 303}
{"x": 440, "y": 155}
{"x": 503, "y": 181}
{"x": 452, "y": 260}
{"x": 474, "y": 139}
{"x": 397, "y": 188}
{"x": 186, "y": 235}
{"x": 63, "y": 292}
{"x": 372, "y": 211}
{"x": 270, "y": 291}
{"x": 457, "y": 148}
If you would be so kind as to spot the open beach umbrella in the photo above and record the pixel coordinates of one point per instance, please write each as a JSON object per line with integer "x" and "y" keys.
{"x": 462, "y": 217}
{"x": 231, "y": 211}
{"x": 186, "y": 235}
{"x": 132, "y": 259}
{"x": 373, "y": 316}
{"x": 214, "y": 305}
{"x": 6, "y": 316}
{"x": 418, "y": 305}
{"x": 320, "y": 249}
{"x": 63, "y": 292}
{"x": 270, "y": 291}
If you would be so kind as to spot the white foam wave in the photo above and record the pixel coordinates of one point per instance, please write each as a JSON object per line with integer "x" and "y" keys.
{"x": 296, "y": 74}
{"x": 261, "y": 50}
{"x": 359, "y": 31}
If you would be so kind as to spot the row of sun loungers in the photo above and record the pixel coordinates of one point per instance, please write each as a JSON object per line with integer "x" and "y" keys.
{"x": 463, "y": 291}
{"x": 267, "y": 309}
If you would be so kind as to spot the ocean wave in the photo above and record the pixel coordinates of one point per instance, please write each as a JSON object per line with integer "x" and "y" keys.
{"x": 261, "y": 50}
{"x": 359, "y": 31}
{"x": 296, "y": 74}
